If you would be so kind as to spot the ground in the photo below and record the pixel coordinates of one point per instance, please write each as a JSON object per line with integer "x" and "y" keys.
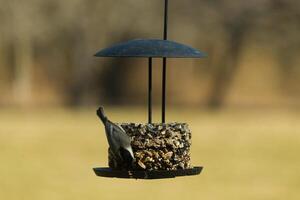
{"x": 248, "y": 155}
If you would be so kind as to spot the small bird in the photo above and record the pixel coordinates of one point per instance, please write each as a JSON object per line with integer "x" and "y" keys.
{"x": 119, "y": 143}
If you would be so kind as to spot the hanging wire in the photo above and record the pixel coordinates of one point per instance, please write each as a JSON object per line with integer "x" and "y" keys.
{"x": 164, "y": 72}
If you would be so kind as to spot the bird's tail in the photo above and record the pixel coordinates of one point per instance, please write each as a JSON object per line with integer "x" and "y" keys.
{"x": 101, "y": 115}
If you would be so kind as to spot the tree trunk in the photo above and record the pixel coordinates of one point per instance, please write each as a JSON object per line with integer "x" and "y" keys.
{"x": 23, "y": 70}
{"x": 229, "y": 62}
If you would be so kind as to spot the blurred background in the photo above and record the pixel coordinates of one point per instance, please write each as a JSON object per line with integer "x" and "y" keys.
{"x": 242, "y": 101}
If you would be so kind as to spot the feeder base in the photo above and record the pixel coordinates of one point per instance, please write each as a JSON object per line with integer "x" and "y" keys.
{"x": 154, "y": 174}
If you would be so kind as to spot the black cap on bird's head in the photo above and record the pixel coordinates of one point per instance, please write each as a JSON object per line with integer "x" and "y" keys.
{"x": 101, "y": 115}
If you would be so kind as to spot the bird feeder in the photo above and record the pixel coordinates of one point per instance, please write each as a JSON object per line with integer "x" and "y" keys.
{"x": 161, "y": 149}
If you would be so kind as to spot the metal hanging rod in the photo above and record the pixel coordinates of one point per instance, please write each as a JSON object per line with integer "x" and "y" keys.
{"x": 164, "y": 71}
{"x": 150, "y": 91}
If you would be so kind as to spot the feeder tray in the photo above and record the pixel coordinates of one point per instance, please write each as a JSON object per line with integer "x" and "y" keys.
{"x": 155, "y": 174}
{"x": 152, "y": 48}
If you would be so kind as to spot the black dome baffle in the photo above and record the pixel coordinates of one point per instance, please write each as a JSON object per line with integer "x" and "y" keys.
{"x": 154, "y": 48}
{"x": 155, "y": 174}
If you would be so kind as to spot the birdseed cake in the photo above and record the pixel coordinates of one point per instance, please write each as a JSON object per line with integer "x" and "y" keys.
{"x": 160, "y": 146}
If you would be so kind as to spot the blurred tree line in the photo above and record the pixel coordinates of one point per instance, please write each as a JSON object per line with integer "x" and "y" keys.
{"x": 46, "y": 50}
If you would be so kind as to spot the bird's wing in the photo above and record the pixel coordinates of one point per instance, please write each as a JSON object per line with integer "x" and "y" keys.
{"x": 124, "y": 139}
{"x": 112, "y": 136}
{"x": 118, "y": 138}
{"x": 121, "y": 134}
{"x": 117, "y": 126}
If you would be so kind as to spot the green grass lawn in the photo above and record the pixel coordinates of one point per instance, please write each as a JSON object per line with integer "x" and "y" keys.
{"x": 247, "y": 155}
